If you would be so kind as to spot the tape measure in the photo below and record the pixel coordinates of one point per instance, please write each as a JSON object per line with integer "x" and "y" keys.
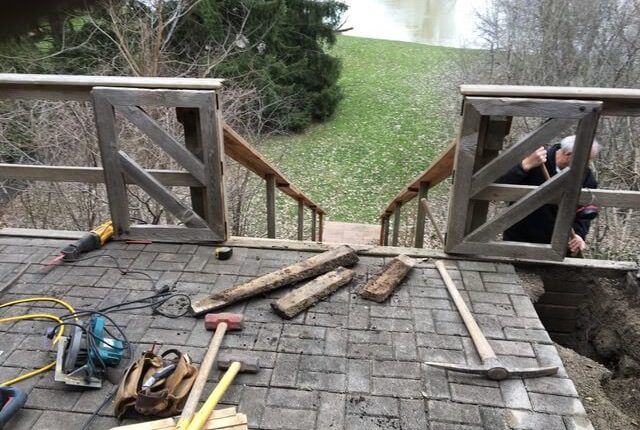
{"x": 224, "y": 253}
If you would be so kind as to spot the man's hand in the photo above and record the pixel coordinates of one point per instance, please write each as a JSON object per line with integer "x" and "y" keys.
{"x": 536, "y": 159}
{"x": 576, "y": 244}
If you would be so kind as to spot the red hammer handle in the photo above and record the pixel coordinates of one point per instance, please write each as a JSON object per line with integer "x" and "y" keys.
{"x": 209, "y": 359}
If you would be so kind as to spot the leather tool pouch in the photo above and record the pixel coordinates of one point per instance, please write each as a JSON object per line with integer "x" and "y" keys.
{"x": 167, "y": 396}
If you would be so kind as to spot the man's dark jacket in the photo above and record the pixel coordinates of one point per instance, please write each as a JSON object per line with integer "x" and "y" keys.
{"x": 538, "y": 226}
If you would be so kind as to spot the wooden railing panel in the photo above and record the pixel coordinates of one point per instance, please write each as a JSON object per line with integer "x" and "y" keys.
{"x": 208, "y": 136}
{"x": 463, "y": 234}
{"x": 206, "y": 140}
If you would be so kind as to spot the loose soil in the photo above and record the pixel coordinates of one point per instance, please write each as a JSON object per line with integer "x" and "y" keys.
{"x": 604, "y": 356}
{"x": 591, "y": 378}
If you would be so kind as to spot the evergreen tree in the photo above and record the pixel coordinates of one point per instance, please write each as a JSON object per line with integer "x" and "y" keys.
{"x": 282, "y": 53}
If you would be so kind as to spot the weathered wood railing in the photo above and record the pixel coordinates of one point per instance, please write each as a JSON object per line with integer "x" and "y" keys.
{"x": 480, "y": 160}
{"x": 207, "y": 140}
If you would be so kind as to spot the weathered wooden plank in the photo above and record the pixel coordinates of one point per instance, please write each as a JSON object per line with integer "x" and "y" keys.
{"x": 551, "y": 92}
{"x": 300, "y": 220}
{"x": 514, "y": 154}
{"x": 90, "y": 175}
{"x": 164, "y": 140}
{"x": 188, "y": 117}
{"x": 316, "y": 265}
{"x": 603, "y": 198}
{"x": 87, "y": 82}
{"x": 616, "y": 101}
{"x": 549, "y": 191}
{"x": 122, "y": 96}
{"x": 465, "y": 159}
{"x": 159, "y": 193}
{"x": 579, "y": 159}
{"x": 311, "y": 292}
{"x": 420, "y": 216}
{"x": 271, "y": 205}
{"x": 545, "y": 108}
{"x": 211, "y": 139}
{"x": 609, "y": 266}
{"x": 396, "y": 224}
{"x": 172, "y": 234}
{"x": 113, "y": 177}
{"x": 380, "y": 287}
{"x": 512, "y": 250}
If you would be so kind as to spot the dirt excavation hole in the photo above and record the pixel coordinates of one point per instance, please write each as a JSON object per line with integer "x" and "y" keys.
{"x": 595, "y": 322}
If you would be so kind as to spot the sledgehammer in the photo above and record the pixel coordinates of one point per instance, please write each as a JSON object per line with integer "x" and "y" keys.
{"x": 492, "y": 368}
{"x": 234, "y": 366}
{"x": 220, "y": 322}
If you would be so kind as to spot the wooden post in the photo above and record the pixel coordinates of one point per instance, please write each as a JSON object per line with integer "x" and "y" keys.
{"x": 396, "y": 224}
{"x": 271, "y": 206}
{"x": 386, "y": 230}
{"x": 188, "y": 117}
{"x": 314, "y": 211}
{"x": 113, "y": 177}
{"x": 320, "y": 227}
{"x": 381, "y": 240}
{"x": 300, "y": 220}
{"x": 422, "y": 194}
{"x": 490, "y": 143}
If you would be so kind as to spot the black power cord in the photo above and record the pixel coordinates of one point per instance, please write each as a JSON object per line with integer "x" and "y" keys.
{"x": 155, "y": 301}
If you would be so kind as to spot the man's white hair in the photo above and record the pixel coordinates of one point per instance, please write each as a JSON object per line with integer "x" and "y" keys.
{"x": 567, "y": 145}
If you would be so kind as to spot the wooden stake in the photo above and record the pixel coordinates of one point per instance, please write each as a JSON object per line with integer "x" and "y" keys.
{"x": 381, "y": 287}
{"x": 316, "y": 265}
{"x": 313, "y": 291}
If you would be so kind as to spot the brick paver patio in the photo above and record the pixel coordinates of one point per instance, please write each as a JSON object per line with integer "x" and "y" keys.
{"x": 346, "y": 363}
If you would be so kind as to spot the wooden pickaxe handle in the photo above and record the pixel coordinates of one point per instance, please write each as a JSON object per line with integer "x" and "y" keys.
{"x": 486, "y": 353}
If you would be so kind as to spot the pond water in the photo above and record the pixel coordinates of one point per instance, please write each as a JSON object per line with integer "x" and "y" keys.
{"x": 433, "y": 22}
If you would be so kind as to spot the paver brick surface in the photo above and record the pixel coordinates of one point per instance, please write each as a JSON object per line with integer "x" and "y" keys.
{"x": 346, "y": 363}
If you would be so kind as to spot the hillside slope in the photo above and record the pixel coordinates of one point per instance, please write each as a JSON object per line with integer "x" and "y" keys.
{"x": 395, "y": 118}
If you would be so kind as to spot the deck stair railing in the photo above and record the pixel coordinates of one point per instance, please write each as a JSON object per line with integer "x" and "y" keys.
{"x": 207, "y": 140}
{"x": 437, "y": 172}
{"x": 481, "y": 158}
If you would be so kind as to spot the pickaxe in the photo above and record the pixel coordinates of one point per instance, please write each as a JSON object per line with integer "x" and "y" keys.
{"x": 491, "y": 366}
